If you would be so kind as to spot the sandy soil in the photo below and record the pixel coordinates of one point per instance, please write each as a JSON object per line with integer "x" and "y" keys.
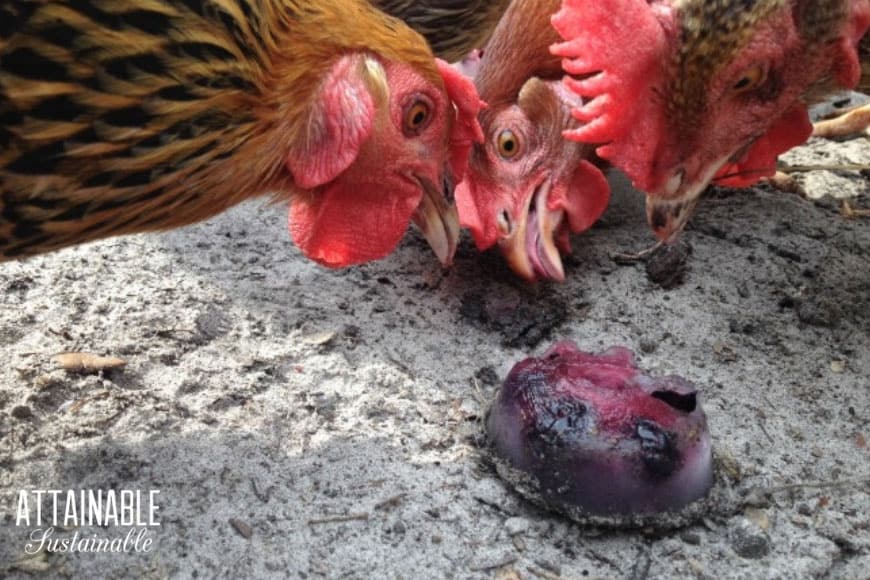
{"x": 300, "y": 422}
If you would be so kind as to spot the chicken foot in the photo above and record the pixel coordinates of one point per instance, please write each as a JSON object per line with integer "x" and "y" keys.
{"x": 851, "y": 123}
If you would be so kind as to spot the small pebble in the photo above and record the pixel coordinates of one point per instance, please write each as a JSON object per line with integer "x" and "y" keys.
{"x": 469, "y": 408}
{"x": 549, "y": 566}
{"x": 399, "y": 528}
{"x": 749, "y": 542}
{"x": 691, "y": 538}
{"x": 757, "y": 498}
{"x": 758, "y": 517}
{"x": 798, "y": 520}
{"x": 648, "y": 345}
{"x": 515, "y": 526}
{"x": 22, "y": 412}
{"x": 667, "y": 265}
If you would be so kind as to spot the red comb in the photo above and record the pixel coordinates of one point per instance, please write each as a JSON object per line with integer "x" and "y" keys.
{"x": 466, "y": 129}
{"x": 620, "y": 43}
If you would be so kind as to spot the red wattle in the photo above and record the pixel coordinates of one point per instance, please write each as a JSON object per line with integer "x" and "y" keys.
{"x": 342, "y": 225}
{"x": 585, "y": 198}
{"x": 791, "y": 130}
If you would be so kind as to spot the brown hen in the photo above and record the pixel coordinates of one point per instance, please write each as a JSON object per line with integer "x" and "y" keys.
{"x": 119, "y": 116}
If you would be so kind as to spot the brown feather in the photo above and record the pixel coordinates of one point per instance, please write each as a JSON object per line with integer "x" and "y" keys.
{"x": 519, "y": 50}
{"x": 452, "y": 27}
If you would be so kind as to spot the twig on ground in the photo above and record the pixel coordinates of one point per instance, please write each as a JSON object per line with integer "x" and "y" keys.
{"x": 640, "y": 570}
{"x": 338, "y": 519}
{"x": 546, "y": 575}
{"x": 823, "y": 167}
{"x": 494, "y": 566}
{"x": 818, "y": 484}
{"x": 390, "y": 501}
{"x": 626, "y": 258}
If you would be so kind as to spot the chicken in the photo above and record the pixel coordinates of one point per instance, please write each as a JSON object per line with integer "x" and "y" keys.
{"x": 526, "y": 187}
{"x": 453, "y": 27}
{"x": 120, "y": 117}
{"x": 688, "y": 92}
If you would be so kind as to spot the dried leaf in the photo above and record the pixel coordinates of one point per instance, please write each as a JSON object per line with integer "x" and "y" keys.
{"x": 83, "y": 362}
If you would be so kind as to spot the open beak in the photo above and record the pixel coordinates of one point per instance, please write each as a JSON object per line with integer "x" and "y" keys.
{"x": 531, "y": 249}
{"x": 438, "y": 220}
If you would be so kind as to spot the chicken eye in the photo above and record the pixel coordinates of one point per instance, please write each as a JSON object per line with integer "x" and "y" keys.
{"x": 417, "y": 117}
{"x": 508, "y": 144}
{"x": 752, "y": 78}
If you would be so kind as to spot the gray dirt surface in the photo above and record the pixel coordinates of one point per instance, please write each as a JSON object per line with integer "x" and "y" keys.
{"x": 306, "y": 423}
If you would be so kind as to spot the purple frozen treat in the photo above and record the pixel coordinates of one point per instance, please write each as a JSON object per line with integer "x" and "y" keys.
{"x": 598, "y": 437}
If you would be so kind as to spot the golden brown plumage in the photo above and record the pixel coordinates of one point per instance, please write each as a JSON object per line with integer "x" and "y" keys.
{"x": 452, "y": 27}
{"x": 521, "y": 48}
{"x": 121, "y": 116}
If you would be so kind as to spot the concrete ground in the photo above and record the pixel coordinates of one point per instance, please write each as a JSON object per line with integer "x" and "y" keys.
{"x": 306, "y": 423}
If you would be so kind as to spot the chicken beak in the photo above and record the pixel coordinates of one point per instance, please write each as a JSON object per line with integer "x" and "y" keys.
{"x": 437, "y": 219}
{"x": 549, "y": 260}
{"x": 513, "y": 249}
{"x": 531, "y": 249}
{"x": 667, "y": 218}
{"x": 668, "y": 211}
